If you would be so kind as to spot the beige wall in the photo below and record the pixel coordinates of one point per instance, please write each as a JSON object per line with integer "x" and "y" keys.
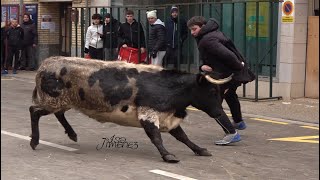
{"x": 45, "y": 36}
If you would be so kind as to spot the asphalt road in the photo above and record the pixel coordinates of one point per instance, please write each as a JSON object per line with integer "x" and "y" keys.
{"x": 255, "y": 157}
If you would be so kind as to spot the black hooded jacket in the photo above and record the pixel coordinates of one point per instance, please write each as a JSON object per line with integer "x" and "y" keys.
{"x": 219, "y": 52}
{"x": 30, "y": 33}
{"x": 172, "y": 31}
{"x": 128, "y": 34}
{"x": 15, "y": 36}
{"x": 114, "y": 25}
{"x": 157, "y": 37}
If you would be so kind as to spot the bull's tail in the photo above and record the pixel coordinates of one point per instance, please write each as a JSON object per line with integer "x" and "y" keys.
{"x": 35, "y": 95}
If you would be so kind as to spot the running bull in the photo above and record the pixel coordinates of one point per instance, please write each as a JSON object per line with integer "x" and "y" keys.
{"x": 127, "y": 94}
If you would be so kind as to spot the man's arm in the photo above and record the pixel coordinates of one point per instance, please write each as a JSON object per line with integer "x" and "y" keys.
{"x": 142, "y": 38}
{"x": 161, "y": 34}
{"x": 88, "y": 36}
{"x": 121, "y": 39}
{"x": 224, "y": 55}
{"x": 35, "y": 34}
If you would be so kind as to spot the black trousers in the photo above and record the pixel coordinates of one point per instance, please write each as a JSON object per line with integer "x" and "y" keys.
{"x": 3, "y": 55}
{"x": 13, "y": 51}
{"x": 171, "y": 57}
{"x": 27, "y": 57}
{"x": 228, "y": 92}
{"x": 96, "y": 53}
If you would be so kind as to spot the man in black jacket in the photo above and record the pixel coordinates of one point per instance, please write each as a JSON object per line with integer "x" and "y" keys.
{"x": 157, "y": 38}
{"x": 15, "y": 37}
{"x": 29, "y": 43}
{"x": 173, "y": 41}
{"x": 220, "y": 55}
{"x": 128, "y": 33}
{"x": 3, "y": 49}
{"x": 110, "y": 37}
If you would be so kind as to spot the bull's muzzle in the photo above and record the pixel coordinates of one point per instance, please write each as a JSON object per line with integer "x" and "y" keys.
{"x": 218, "y": 81}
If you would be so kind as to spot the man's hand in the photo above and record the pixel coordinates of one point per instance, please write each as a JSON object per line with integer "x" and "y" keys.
{"x": 153, "y": 54}
{"x": 206, "y": 68}
{"x": 34, "y": 45}
{"x": 143, "y": 50}
{"x": 124, "y": 46}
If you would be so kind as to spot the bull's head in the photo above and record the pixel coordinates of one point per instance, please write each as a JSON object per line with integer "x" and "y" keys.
{"x": 206, "y": 96}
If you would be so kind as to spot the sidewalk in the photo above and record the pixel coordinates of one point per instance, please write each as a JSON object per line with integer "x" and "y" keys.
{"x": 302, "y": 109}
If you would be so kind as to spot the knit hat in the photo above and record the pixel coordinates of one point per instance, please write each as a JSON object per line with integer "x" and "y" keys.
{"x": 174, "y": 9}
{"x": 152, "y": 13}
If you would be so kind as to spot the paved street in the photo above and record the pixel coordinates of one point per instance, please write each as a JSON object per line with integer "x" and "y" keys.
{"x": 270, "y": 148}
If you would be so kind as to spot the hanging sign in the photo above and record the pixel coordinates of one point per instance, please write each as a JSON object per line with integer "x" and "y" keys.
{"x": 288, "y": 11}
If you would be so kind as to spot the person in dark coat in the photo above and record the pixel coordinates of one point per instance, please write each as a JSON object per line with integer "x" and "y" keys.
{"x": 220, "y": 55}
{"x": 110, "y": 37}
{"x": 29, "y": 43}
{"x": 157, "y": 38}
{"x": 3, "y": 49}
{"x": 128, "y": 33}
{"x": 14, "y": 36}
{"x": 173, "y": 39}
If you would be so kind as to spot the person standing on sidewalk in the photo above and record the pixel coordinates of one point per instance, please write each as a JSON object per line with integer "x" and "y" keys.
{"x": 128, "y": 33}
{"x": 219, "y": 54}
{"x": 157, "y": 38}
{"x": 173, "y": 38}
{"x": 3, "y": 48}
{"x": 29, "y": 43}
{"x": 15, "y": 37}
{"x": 94, "y": 41}
{"x": 110, "y": 37}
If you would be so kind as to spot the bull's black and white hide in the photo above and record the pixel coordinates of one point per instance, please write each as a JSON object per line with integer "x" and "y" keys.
{"x": 127, "y": 94}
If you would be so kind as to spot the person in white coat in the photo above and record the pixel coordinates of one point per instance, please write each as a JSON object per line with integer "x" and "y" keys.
{"x": 94, "y": 42}
{"x": 157, "y": 38}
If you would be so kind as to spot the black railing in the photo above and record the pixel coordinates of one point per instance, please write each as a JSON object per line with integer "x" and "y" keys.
{"x": 253, "y": 32}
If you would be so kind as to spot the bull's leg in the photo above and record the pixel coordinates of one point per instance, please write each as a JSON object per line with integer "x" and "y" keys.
{"x": 181, "y": 136}
{"x": 36, "y": 112}
{"x": 68, "y": 129}
{"x": 154, "y": 134}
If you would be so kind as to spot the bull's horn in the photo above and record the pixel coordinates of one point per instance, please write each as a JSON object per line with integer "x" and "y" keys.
{"x": 218, "y": 81}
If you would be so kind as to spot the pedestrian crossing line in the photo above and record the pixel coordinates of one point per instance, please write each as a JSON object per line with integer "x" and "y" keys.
{"x": 310, "y": 127}
{"x": 172, "y": 175}
{"x": 301, "y": 139}
{"x": 6, "y": 79}
{"x": 40, "y": 141}
{"x": 270, "y": 121}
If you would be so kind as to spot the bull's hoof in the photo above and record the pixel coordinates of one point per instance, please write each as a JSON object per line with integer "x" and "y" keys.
{"x": 73, "y": 137}
{"x": 203, "y": 152}
{"x": 33, "y": 144}
{"x": 170, "y": 158}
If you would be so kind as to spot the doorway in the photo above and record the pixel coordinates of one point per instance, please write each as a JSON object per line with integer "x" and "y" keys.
{"x": 65, "y": 30}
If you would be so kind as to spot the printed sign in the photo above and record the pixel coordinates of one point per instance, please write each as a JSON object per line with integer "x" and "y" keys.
{"x": 288, "y": 11}
{"x": 46, "y": 22}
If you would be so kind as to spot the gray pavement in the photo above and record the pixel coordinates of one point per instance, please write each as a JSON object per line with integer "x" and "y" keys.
{"x": 260, "y": 154}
